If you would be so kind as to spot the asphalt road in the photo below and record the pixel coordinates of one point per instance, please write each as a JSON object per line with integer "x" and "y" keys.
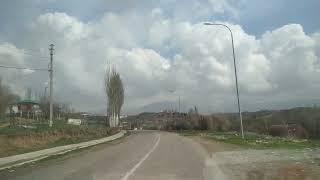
{"x": 143, "y": 155}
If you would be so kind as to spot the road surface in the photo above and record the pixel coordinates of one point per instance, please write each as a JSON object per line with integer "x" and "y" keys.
{"x": 143, "y": 155}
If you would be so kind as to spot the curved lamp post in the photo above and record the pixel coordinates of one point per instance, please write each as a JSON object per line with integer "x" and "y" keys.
{"x": 235, "y": 71}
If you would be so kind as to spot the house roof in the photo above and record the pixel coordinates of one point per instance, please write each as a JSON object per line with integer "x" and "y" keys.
{"x": 27, "y": 101}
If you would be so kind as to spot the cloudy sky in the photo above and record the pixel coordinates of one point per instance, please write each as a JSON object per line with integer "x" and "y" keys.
{"x": 161, "y": 46}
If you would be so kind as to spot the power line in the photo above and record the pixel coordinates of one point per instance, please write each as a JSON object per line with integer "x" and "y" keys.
{"x": 13, "y": 67}
{"x": 15, "y": 48}
{"x": 27, "y": 53}
{"x": 42, "y": 57}
{"x": 37, "y": 60}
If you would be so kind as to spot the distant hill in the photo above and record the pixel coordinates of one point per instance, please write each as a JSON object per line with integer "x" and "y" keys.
{"x": 259, "y": 121}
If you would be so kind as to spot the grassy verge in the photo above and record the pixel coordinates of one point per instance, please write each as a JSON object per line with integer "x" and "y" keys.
{"x": 116, "y": 141}
{"x": 21, "y": 140}
{"x": 255, "y": 141}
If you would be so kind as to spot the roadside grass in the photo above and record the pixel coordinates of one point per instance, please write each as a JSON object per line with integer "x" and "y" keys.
{"x": 17, "y": 140}
{"x": 255, "y": 141}
{"x": 76, "y": 151}
{"x": 66, "y": 155}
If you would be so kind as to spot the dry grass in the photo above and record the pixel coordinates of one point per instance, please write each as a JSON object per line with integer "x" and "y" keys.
{"x": 4, "y": 125}
{"x": 16, "y": 141}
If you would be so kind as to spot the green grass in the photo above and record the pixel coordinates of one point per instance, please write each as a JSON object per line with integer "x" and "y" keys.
{"x": 256, "y": 141}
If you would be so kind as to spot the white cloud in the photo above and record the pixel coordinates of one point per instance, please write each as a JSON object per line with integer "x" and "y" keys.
{"x": 155, "y": 53}
{"x": 62, "y": 24}
{"x": 292, "y": 57}
{"x": 10, "y": 55}
{"x": 225, "y": 7}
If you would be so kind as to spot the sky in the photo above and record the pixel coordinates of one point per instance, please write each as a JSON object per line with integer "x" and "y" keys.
{"x": 162, "y": 51}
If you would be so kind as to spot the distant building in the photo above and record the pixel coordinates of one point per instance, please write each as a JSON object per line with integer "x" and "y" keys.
{"x": 77, "y": 122}
{"x": 25, "y": 108}
{"x": 123, "y": 116}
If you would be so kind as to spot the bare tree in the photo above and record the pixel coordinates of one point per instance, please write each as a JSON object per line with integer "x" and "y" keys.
{"x": 115, "y": 94}
{"x": 6, "y": 97}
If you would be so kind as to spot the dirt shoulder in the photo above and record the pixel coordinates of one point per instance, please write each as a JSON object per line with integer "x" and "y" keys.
{"x": 238, "y": 162}
{"x": 212, "y": 146}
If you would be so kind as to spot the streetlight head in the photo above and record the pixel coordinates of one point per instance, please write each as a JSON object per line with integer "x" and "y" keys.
{"x": 207, "y": 23}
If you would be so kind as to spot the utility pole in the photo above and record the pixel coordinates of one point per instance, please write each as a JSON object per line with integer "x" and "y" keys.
{"x": 51, "y": 83}
{"x": 179, "y": 104}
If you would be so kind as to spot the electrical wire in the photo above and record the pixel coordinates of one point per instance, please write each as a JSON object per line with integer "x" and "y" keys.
{"x": 16, "y": 48}
{"x": 13, "y": 67}
{"x": 27, "y": 53}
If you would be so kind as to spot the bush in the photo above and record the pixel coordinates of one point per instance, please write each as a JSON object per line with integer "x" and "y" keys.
{"x": 204, "y": 123}
{"x": 183, "y": 125}
{"x": 218, "y": 124}
{"x": 301, "y": 132}
{"x": 278, "y": 130}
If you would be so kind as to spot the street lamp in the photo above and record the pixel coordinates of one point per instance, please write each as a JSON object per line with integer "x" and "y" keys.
{"x": 173, "y": 91}
{"x": 235, "y": 71}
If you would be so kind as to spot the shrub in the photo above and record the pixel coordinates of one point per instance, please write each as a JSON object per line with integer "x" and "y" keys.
{"x": 301, "y": 132}
{"x": 218, "y": 124}
{"x": 278, "y": 130}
